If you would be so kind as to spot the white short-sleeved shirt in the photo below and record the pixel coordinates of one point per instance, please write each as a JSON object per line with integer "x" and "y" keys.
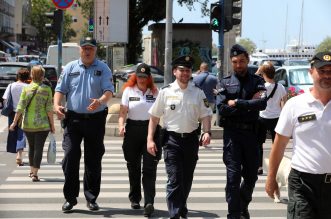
{"x": 181, "y": 109}
{"x": 16, "y": 90}
{"x": 308, "y": 121}
{"x": 138, "y": 103}
{"x": 273, "y": 108}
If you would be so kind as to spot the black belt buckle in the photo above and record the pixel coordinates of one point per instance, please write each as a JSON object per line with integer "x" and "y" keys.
{"x": 327, "y": 178}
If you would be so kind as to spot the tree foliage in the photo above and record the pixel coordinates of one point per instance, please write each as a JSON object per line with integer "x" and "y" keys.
{"x": 38, "y": 19}
{"x": 325, "y": 45}
{"x": 141, "y": 12}
{"x": 248, "y": 44}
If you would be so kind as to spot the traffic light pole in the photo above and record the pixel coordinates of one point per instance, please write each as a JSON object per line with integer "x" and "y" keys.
{"x": 59, "y": 47}
{"x": 220, "y": 58}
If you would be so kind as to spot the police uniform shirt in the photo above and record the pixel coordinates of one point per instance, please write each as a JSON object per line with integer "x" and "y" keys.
{"x": 181, "y": 109}
{"x": 138, "y": 103}
{"x": 80, "y": 84}
{"x": 308, "y": 121}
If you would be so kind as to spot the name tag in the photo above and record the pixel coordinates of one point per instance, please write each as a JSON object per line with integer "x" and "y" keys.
{"x": 97, "y": 73}
{"x": 149, "y": 97}
{"x": 134, "y": 98}
{"x": 74, "y": 73}
{"x": 307, "y": 118}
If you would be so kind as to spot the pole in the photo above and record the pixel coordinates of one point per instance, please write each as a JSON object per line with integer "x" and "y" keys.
{"x": 168, "y": 44}
{"x": 59, "y": 47}
{"x": 220, "y": 58}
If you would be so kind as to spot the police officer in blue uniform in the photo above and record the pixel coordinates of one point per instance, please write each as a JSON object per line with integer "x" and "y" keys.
{"x": 241, "y": 97}
{"x": 86, "y": 83}
{"x": 182, "y": 105}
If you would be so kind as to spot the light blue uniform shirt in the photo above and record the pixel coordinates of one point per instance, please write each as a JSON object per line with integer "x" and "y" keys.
{"x": 80, "y": 84}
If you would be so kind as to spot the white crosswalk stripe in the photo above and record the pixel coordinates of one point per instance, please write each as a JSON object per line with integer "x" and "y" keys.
{"x": 23, "y": 199}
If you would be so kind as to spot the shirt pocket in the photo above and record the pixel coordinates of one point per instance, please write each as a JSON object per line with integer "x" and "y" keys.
{"x": 74, "y": 80}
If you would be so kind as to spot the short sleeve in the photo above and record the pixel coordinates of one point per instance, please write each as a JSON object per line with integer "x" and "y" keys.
{"x": 125, "y": 97}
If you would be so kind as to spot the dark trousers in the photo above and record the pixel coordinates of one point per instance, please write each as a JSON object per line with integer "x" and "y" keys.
{"x": 135, "y": 149}
{"x": 240, "y": 155}
{"x": 265, "y": 125}
{"x": 180, "y": 157}
{"x": 92, "y": 130}
{"x": 309, "y": 196}
{"x": 36, "y": 145}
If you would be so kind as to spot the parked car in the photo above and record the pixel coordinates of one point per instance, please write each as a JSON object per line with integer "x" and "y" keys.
{"x": 8, "y": 74}
{"x": 27, "y": 58}
{"x": 294, "y": 76}
{"x": 292, "y": 62}
{"x": 125, "y": 72}
{"x": 276, "y": 62}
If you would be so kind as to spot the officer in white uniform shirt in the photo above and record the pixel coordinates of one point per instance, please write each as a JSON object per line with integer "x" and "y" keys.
{"x": 307, "y": 118}
{"x": 182, "y": 105}
{"x": 138, "y": 97}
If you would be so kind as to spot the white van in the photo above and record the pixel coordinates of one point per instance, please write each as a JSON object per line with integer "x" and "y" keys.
{"x": 70, "y": 52}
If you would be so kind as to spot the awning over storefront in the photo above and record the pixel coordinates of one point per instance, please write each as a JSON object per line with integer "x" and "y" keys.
{"x": 7, "y": 44}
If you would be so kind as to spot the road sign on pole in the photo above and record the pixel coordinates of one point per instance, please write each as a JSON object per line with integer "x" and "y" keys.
{"x": 63, "y": 4}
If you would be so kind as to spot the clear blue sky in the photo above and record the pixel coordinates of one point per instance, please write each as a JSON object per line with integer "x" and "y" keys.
{"x": 264, "y": 21}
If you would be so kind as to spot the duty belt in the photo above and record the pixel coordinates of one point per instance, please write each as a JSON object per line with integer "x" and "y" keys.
{"x": 325, "y": 178}
{"x": 137, "y": 122}
{"x": 73, "y": 115}
{"x": 239, "y": 125}
{"x": 183, "y": 135}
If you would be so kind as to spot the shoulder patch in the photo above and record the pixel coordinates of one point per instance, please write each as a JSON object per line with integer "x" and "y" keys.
{"x": 165, "y": 86}
{"x": 205, "y": 101}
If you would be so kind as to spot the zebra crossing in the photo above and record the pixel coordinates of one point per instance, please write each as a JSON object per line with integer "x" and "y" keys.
{"x": 23, "y": 199}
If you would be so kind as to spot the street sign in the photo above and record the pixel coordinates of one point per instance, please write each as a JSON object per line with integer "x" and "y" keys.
{"x": 63, "y": 4}
{"x": 111, "y": 21}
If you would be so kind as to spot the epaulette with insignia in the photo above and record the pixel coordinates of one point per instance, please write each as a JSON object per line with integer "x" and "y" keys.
{"x": 165, "y": 86}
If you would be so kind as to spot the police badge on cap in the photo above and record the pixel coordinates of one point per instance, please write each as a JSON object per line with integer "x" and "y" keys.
{"x": 237, "y": 50}
{"x": 183, "y": 61}
{"x": 321, "y": 59}
{"x": 143, "y": 70}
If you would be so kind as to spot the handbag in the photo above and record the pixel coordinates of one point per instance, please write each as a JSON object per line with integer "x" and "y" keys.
{"x": 8, "y": 106}
{"x": 51, "y": 152}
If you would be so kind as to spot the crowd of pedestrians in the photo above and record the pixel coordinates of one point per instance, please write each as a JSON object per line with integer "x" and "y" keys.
{"x": 175, "y": 121}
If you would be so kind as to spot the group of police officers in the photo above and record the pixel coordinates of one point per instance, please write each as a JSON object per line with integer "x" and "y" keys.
{"x": 183, "y": 106}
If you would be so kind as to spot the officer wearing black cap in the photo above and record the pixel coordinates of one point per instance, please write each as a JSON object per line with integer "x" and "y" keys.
{"x": 241, "y": 97}
{"x": 86, "y": 84}
{"x": 138, "y": 96}
{"x": 306, "y": 118}
{"x": 182, "y": 105}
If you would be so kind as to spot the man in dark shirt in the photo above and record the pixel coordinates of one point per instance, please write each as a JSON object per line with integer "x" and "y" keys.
{"x": 241, "y": 97}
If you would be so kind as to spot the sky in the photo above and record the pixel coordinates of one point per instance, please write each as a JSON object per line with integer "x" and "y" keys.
{"x": 264, "y": 21}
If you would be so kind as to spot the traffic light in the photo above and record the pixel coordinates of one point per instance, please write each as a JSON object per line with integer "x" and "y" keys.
{"x": 57, "y": 19}
{"x": 215, "y": 16}
{"x": 232, "y": 13}
{"x": 91, "y": 25}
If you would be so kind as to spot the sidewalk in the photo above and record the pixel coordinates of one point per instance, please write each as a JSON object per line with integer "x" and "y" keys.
{"x": 112, "y": 120}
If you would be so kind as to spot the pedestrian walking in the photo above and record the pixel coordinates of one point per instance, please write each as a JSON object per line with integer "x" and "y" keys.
{"x": 16, "y": 141}
{"x": 207, "y": 82}
{"x": 86, "y": 83}
{"x": 276, "y": 98}
{"x": 306, "y": 118}
{"x": 182, "y": 105}
{"x": 241, "y": 97}
{"x": 36, "y": 109}
{"x": 138, "y": 97}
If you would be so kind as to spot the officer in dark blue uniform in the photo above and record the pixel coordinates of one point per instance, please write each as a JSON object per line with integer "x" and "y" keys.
{"x": 241, "y": 97}
{"x": 86, "y": 84}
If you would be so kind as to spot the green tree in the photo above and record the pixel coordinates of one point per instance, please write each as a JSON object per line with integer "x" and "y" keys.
{"x": 38, "y": 19}
{"x": 141, "y": 12}
{"x": 248, "y": 44}
{"x": 325, "y": 45}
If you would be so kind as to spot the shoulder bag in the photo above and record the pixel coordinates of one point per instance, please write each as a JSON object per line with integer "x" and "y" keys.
{"x": 8, "y": 106}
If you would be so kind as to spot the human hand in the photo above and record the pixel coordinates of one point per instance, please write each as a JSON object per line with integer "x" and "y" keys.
{"x": 121, "y": 130}
{"x": 271, "y": 187}
{"x": 205, "y": 139}
{"x": 231, "y": 103}
{"x": 60, "y": 112}
{"x": 12, "y": 126}
{"x": 95, "y": 104}
{"x": 151, "y": 147}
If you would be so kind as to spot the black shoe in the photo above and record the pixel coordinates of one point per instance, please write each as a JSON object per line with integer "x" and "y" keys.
{"x": 148, "y": 211}
{"x": 245, "y": 214}
{"x": 93, "y": 206}
{"x": 135, "y": 205}
{"x": 183, "y": 212}
{"x": 260, "y": 171}
{"x": 67, "y": 206}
